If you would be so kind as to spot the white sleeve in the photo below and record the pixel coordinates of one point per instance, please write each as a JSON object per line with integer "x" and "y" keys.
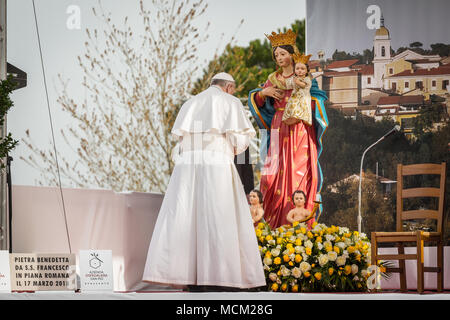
{"x": 239, "y": 141}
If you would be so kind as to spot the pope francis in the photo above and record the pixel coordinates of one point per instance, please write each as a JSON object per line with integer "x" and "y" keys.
{"x": 204, "y": 234}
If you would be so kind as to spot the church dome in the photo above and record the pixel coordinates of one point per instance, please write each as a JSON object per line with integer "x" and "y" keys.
{"x": 382, "y": 32}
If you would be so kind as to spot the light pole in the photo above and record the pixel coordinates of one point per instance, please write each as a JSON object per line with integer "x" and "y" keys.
{"x": 392, "y": 131}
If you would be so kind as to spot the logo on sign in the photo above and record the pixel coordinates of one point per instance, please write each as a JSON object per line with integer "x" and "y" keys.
{"x": 95, "y": 262}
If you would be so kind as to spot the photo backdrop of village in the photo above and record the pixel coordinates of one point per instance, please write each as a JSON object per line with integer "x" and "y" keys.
{"x": 386, "y": 80}
{"x": 374, "y": 80}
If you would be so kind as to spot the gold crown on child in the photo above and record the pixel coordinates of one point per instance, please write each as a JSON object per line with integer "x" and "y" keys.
{"x": 282, "y": 38}
{"x": 299, "y": 57}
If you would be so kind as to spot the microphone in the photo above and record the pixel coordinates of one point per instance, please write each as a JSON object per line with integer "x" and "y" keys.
{"x": 391, "y": 132}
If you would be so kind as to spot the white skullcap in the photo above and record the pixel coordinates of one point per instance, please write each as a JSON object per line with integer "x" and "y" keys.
{"x": 223, "y": 76}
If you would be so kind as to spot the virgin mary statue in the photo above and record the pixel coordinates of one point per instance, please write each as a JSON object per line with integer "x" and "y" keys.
{"x": 290, "y": 152}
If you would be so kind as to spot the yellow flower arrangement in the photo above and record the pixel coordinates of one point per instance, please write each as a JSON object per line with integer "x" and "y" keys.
{"x": 323, "y": 258}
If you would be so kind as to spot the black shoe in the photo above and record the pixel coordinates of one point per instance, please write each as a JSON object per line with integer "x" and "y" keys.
{"x": 193, "y": 288}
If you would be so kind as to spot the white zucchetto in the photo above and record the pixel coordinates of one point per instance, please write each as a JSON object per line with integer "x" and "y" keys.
{"x": 223, "y": 76}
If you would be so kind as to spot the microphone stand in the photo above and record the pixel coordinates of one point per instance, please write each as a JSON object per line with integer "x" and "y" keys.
{"x": 8, "y": 181}
{"x": 359, "y": 219}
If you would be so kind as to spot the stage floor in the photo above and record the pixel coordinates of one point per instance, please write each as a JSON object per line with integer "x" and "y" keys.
{"x": 178, "y": 295}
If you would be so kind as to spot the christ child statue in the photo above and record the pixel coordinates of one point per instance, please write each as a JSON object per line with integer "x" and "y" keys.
{"x": 298, "y": 107}
{"x": 299, "y": 213}
{"x": 256, "y": 209}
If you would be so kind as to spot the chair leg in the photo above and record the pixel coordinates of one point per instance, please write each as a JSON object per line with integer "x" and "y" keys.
{"x": 402, "y": 266}
{"x": 440, "y": 265}
{"x": 374, "y": 250}
{"x": 374, "y": 253}
{"x": 420, "y": 266}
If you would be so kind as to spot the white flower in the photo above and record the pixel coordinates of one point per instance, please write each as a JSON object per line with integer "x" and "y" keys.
{"x": 301, "y": 249}
{"x": 296, "y": 272}
{"x": 364, "y": 273}
{"x": 332, "y": 256}
{"x": 285, "y": 272}
{"x": 309, "y": 244}
{"x": 323, "y": 259}
{"x": 266, "y": 267}
{"x": 271, "y": 242}
{"x": 267, "y": 261}
{"x": 286, "y": 251}
{"x": 341, "y": 245}
{"x": 305, "y": 266}
{"x": 340, "y": 261}
{"x": 319, "y": 246}
{"x": 292, "y": 257}
{"x": 273, "y": 277}
{"x": 275, "y": 252}
{"x": 356, "y": 278}
{"x": 362, "y": 235}
{"x": 344, "y": 229}
{"x": 292, "y": 238}
{"x": 354, "y": 269}
{"x": 302, "y": 237}
{"x": 304, "y": 256}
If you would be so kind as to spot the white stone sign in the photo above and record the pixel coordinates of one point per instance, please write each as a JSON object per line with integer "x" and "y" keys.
{"x": 5, "y": 272}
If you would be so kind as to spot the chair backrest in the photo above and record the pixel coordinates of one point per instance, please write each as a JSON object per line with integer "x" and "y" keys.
{"x": 420, "y": 169}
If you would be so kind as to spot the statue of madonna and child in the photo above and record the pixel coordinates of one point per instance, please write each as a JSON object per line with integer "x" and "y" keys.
{"x": 290, "y": 108}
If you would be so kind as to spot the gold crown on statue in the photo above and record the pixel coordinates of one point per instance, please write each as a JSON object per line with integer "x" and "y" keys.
{"x": 282, "y": 39}
{"x": 299, "y": 57}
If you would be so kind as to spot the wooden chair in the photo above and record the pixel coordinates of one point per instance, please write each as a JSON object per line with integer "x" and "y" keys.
{"x": 418, "y": 237}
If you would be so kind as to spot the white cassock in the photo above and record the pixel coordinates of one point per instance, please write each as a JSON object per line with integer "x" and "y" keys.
{"x": 204, "y": 234}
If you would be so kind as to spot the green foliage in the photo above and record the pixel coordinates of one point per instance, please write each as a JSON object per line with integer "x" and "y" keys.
{"x": 441, "y": 49}
{"x": 7, "y": 143}
{"x": 345, "y": 141}
{"x": 365, "y": 58}
{"x": 429, "y": 115}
